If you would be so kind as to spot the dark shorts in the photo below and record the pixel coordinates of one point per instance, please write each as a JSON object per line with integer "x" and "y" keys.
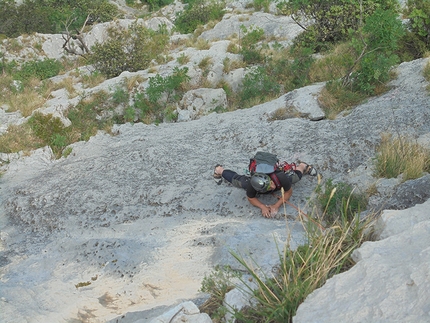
{"x": 240, "y": 181}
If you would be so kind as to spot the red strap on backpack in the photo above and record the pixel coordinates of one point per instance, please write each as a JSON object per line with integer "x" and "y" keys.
{"x": 275, "y": 180}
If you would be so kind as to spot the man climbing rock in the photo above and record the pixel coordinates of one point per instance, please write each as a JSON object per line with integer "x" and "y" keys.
{"x": 266, "y": 178}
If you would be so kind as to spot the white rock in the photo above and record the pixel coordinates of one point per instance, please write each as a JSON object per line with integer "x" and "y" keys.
{"x": 201, "y": 101}
{"x": 390, "y": 282}
{"x": 185, "y": 312}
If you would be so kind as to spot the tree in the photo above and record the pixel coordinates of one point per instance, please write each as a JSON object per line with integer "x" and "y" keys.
{"x": 128, "y": 49}
{"x": 375, "y": 45}
{"x": 331, "y": 20}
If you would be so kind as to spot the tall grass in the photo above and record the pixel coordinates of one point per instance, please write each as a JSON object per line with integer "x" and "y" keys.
{"x": 401, "y": 155}
{"x": 301, "y": 271}
{"x": 327, "y": 252}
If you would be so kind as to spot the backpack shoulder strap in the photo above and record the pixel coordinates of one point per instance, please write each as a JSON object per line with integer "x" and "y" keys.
{"x": 275, "y": 180}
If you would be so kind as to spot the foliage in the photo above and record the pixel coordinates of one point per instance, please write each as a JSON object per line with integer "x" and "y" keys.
{"x": 90, "y": 115}
{"x": 338, "y": 200}
{"x": 49, "y": 16}
{"x": 261, "y": 4}
{"x": 217, "y": 284}
{"x": 198, "y": 12}
{"x": 375, "y": 47}
{"x": 128, "y": 49}
{"x": 333, "y": 64}
{"x": 41, "y": 69}
{"x": 156, "y": 4}
{"x": 50, "y": 131}
{"x": 258, "y": 83}
{"x": 299, "y": 68}
{"x": 170, "y": 85}
{"x": 331, "y": 20}
{"x": 335, "y": 98}
{"x": 19, "y": 138}
{"x": 418, "y": 12}
{"x": 411, "y": 47}
{"x": 153, "y": 105}
{"x": 250, "y": 50}
{"x": 401, "y": 155}
{"x": 120, "y": 96}
{"x": 301, "y": 271}
{"x": 426, "y": 74}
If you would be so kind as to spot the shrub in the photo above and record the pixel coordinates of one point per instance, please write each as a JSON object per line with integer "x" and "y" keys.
{"x": 90, "y": 115}
{"x": 332, "y": 65}
{"x": 171, "y": 85}
{"x": 153, "y": 105}
{"x": 50, "y": 131}
{"x": 41, "y": 69}
{"x": 261, "y": 5}
{"x": 335, "y": 98}
{"x": 328, "y": 20}
{"x": 128, "y": 49}
{"x": 382, "y": 32}
{"x": 258, "y": 84}
{"x": 418, "y": 12}
{"x": 198, "y": 12}
{"x": 401, "y": 155}
{"x": 48, "y": 17}
{"x": 120, "y": 96}
{"x": 411, "y": 47}
{"x": 426, "y": 74}
{"x": 156, "y": 4}
{"x": 250, "y": 50}
{"x": 217, "y": 284}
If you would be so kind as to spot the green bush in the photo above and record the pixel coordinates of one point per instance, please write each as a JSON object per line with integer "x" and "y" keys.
{"x": 411, "y": 47}
{"x": 51, "y": 131}
{"x": 153, "y": 105}
{"x": 250, "y": 50}
{"x": 48, "y": 17}
{"x": 257, "y": 83}
{"x": 331, "y": 20}
{"x": 261, "y": 4}
{"x": 40, "y": 69}
{"x": 418, "y": 12}
{"x": 128, "y": 49}
{"x": 120, "y": 96}
{"x": 300, "y": 67}
{"x": 375, "y": 47}
{"x": 170, "y": 85}
{"x": 90, "y": 115}
{"x": 156, "y": 4}
{"x": 198, "y": 12}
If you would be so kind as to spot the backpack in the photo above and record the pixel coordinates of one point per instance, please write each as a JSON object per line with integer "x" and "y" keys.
{"x": 267, "y": 163}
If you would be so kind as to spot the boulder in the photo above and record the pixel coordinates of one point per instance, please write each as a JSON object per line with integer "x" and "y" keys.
{"x": 390, "y": 281}
{"x": 199, "y": 102}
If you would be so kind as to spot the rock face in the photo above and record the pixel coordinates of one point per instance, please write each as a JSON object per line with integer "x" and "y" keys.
{"x": 389, "y": 283}
{"x": 132, "y": 222}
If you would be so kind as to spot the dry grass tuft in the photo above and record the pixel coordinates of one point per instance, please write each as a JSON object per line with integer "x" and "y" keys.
{"x": 19, "y": 138}
{"x": 132, "y": 82}
{"x": 334, "y": 99}
{"x": 401, "y": 155}
{"x": 26, "y": 101}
